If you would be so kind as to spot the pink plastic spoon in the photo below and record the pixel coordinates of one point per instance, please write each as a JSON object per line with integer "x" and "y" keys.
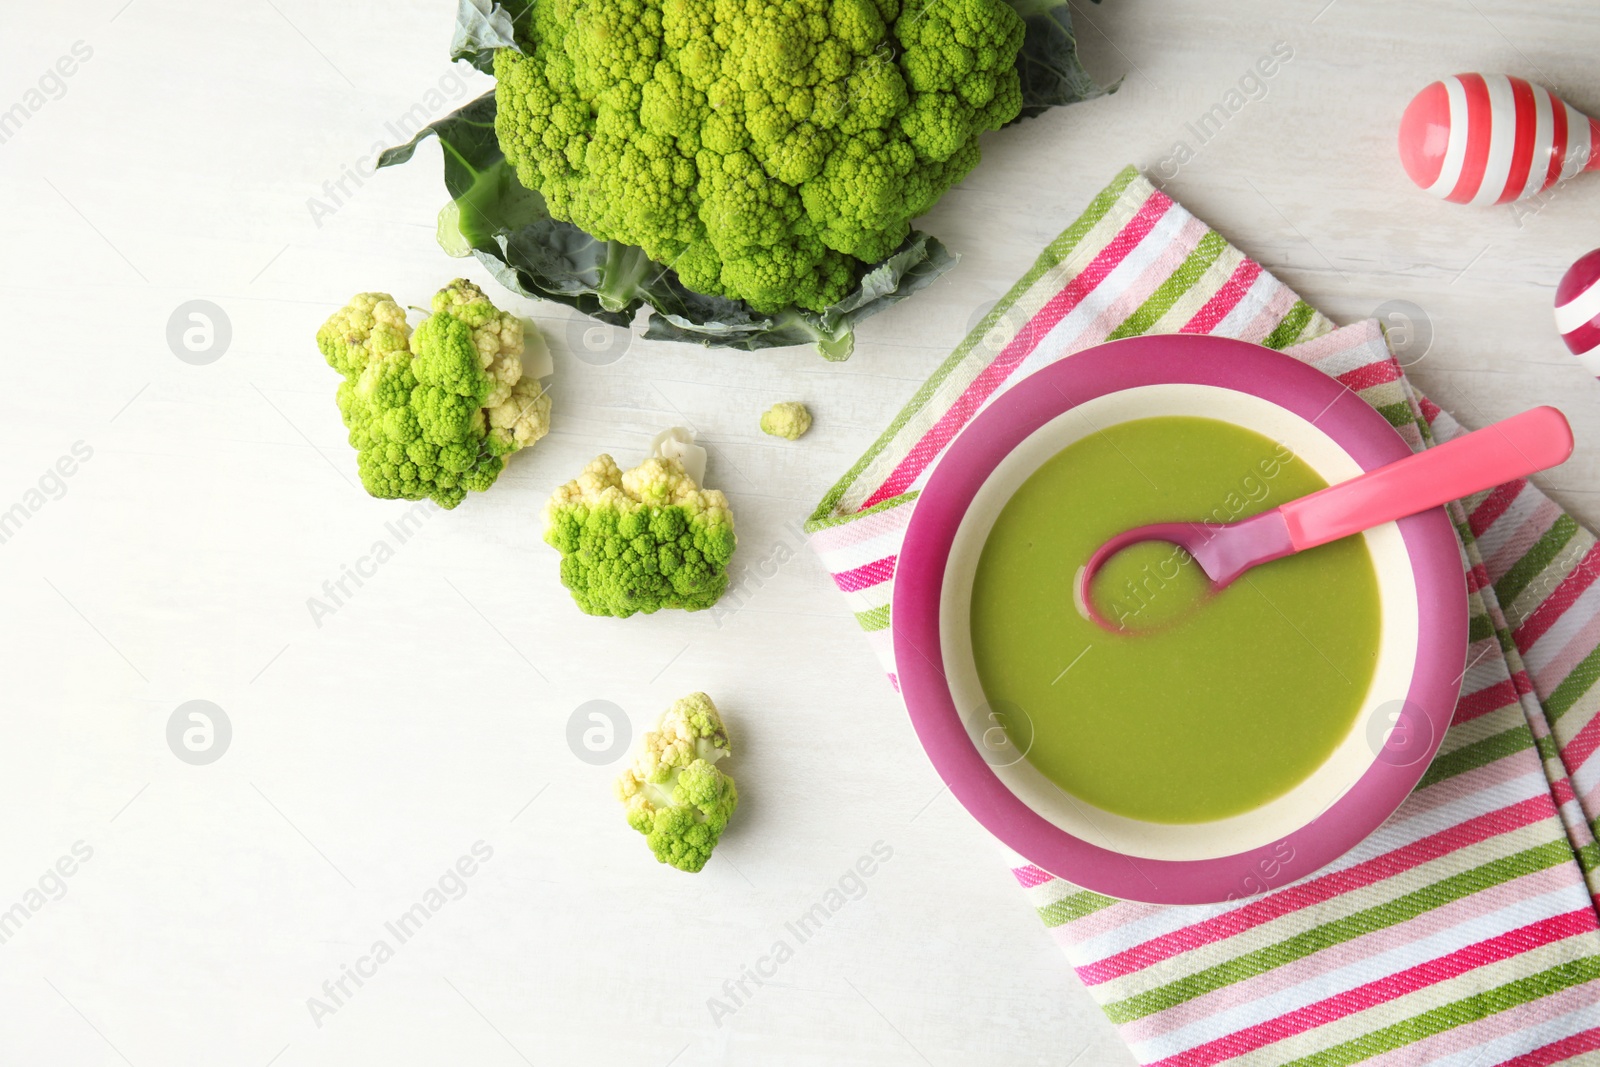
{"x": 1512, "y": 448}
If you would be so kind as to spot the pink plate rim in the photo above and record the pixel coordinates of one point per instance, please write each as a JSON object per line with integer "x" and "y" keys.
{"x": 1198, "y": 359}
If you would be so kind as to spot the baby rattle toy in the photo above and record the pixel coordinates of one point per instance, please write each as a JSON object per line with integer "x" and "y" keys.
{"x": 1492, "y": 138}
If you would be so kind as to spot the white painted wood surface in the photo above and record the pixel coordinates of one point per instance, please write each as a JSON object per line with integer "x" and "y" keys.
{"x": 429, "y": 712}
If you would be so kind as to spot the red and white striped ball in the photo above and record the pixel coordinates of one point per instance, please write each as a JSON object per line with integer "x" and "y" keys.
{"x": 1578, "y": 310}
{"x": 1490, "y": 138}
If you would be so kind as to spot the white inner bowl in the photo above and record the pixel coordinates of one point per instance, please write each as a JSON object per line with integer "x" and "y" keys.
{"x": 1397, "y": 596}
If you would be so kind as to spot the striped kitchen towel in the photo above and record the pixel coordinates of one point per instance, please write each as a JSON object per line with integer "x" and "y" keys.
{"x": 1463, "y": 932}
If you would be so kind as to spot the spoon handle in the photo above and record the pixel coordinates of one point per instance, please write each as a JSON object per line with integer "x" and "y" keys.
{"x": 1512, "y": 448}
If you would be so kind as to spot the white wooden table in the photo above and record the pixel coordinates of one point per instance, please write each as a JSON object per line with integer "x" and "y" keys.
{"x": 375, "y": 745}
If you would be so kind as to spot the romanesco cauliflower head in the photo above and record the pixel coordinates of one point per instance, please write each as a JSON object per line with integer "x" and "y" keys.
{"x": 765, "y": 151}
{"x": 640, "y": 540}
{"x": 674, "y": 793}
{"x": 789, "y": 420}
{"x": 433, "y": 413}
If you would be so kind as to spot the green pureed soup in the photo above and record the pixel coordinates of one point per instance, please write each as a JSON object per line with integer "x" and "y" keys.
{"x": 1199, "y": 707}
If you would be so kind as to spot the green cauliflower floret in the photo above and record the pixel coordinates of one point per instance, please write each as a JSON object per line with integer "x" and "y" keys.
{"x": 674, "y": 793}
{"x": 640, "y": 540}
{"x": 766, "y": 152}
{"x": 434, "y": 413}
{"x": 788, "y": 419}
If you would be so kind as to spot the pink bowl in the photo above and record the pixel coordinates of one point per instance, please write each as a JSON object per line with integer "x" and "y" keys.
{"x": 1426, "y": 639}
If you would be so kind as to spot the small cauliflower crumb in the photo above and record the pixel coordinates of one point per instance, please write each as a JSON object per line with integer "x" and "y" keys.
{"x": 789, "y": 420}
